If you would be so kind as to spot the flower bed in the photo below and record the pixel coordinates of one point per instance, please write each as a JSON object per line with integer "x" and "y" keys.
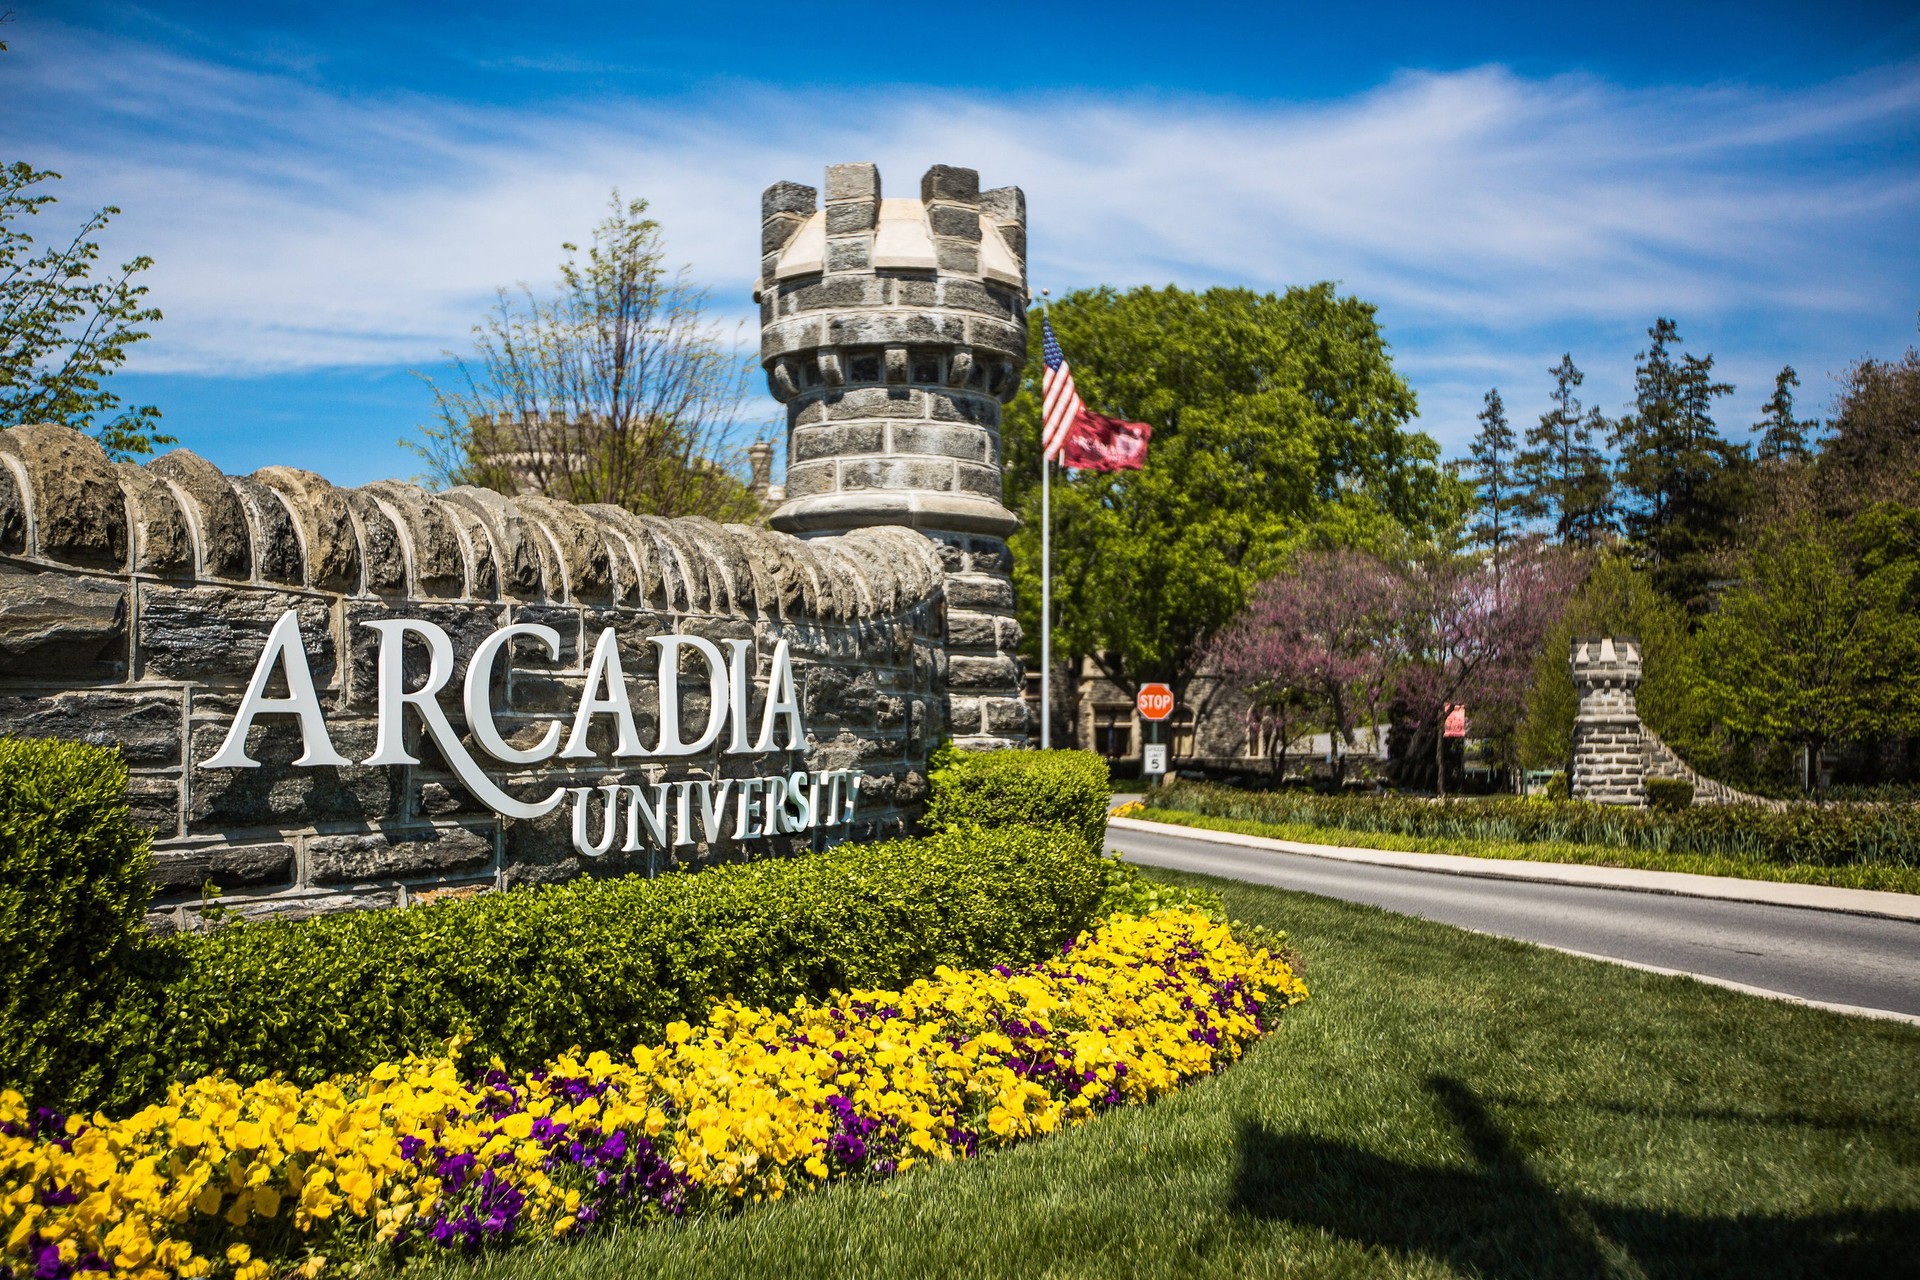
{"x": 270, "y": 1178}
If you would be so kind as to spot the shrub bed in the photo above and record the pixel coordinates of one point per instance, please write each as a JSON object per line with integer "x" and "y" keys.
{"x": 529, "y": 974}
{"x": 1821, "y": 835}
{"x": 248, "y": 1181}
{"x": 75, "y": 877}
{"x": 1064, "y": 789}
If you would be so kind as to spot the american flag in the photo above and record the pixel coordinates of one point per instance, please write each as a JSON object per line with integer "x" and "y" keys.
{"x": 1060, "y": 403}
{"x": 1072, "y": 434}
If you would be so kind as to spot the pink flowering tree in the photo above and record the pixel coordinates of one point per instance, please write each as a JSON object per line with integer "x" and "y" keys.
{"x": 1319, "y": 638}
{"x": 1470, "y": 638}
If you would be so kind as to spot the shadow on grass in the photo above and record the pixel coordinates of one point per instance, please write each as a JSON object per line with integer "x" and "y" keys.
{"x": 1501, "y": 1221}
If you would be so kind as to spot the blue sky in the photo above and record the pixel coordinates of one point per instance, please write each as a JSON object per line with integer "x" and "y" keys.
{"x": 332, "y": 196}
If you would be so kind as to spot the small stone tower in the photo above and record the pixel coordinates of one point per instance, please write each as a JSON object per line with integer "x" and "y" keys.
{"x": 1609, "y": 754}
{"x": 893, "y": 330}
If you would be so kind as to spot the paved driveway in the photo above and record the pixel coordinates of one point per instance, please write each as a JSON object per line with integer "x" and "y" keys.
{"x": 1857, "y": 961}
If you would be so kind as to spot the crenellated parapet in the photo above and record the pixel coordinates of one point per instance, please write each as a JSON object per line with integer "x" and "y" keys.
{"x": 893, "y": 329}
{"x": 136, "y": 602}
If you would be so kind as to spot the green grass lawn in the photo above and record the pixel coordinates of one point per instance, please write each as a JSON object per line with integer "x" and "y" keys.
{"x": 1891, "y": 879}
{"x": 1447, "y": 1104}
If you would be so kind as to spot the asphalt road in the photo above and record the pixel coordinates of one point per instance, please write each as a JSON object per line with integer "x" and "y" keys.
{"x": 1861, "y": 961}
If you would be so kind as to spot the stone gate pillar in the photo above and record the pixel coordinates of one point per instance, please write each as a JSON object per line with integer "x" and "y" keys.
{"x": 1609, "y": 756}
{"x": 893, "y": 329}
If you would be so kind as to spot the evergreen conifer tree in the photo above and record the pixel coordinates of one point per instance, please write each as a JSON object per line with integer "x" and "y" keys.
{"x": 1491, "y": 474}
{"x": 1561, "y": 476}
{"x": 1783, "y": 437}
{"x": 1682, "y": 481}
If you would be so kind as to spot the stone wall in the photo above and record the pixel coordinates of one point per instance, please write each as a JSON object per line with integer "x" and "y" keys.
{"x": 135, "y": 602}
{"x": 1613, "y": 753}
{"x": 893, "y": 329}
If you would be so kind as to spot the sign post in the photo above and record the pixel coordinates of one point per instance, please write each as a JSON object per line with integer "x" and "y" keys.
{"x": 1155, "y": 703}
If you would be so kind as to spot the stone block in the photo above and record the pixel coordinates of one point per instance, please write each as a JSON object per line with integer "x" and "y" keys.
{"x": 226, "y": 540}
{"x": 993, "y": 594}
{"x": 382, "y": 558}
{"x": 959, "y": 406}
{"x": 896, "y": 474}
{"x": 1006, "y": 715}
{"x": 896, "y": 328}
{"x": 963, "y": 715}
{"x": 229, "y": 867}
{"x": 860, "y": 403}
{"x": 210, "y": 634}
{"x": 395, "y": 853}
{"x": 853, "y": 182}
{"x": 55, "y": 624}
{"x": 333, "y": 549}
{"x": 849, "y": 253}
{"x": 984, "y": 481}
{"x": 846, "y": 219}
{"x": 276, "y": 547}
{"x": 809, "y": 443}
{"x": 788, "y": 197}
{"x": 79, "y": 515}
{"x": 836, "y": 291}
{"x": 13, "y": 515}
{"x": 972, "y": 674}
{"x": 959, "y": 222}
{"x": 971, "y": 631}
{"x": 808, "y": 479}
{"x": 968, "y": 443}
{"x": 147, "y": 727}
{"x": 947, "y": 182}
{"x": 154, "y": 801}
{"x": 162, "y": 538}
{"x": 957, "y": 255}
{"x": 277, "y": 795}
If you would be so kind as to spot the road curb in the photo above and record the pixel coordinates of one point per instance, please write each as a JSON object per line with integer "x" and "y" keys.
{"x": 1815, "y": 897}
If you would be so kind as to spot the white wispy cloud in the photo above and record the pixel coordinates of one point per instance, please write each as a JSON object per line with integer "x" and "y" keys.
{"x": 1496, "y": 219}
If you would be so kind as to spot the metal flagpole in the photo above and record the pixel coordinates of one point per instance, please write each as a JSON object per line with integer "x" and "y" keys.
{"x": 1046, "y": 579}
{"x": 1046, "y": 602}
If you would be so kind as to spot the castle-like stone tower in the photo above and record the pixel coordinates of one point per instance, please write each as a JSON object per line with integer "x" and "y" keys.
{"x": 1609, "y": 753}
{"x": 893, "y": 330}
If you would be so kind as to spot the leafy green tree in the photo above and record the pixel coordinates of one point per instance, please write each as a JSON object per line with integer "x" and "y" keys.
{"x": 65, "y": 327}
{"x": 1618, "y": 599}
{"x": 1561, "y": 475}
{"x": 613, "y": 388}
{"x": 1873, "y": 454}
{"x": 1279, "y": 423}
{"x": 1811, "y": 650}
{"x": 1490, "y": 471}
{"x": 1783, "y": 437}
{"x": 1684, "y": 484}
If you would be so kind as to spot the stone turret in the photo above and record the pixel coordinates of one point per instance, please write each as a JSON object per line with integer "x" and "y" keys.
{"x": 893, "y": 329}
{"x": 1609, "y": 754}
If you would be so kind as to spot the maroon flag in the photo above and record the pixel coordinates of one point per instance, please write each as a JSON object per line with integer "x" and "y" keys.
{"x": 1099, "y": 443}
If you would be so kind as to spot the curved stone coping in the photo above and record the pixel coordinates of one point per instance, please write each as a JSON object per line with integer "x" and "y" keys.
{"x": 1664, "y": 762}
{"x": 64, "y": 503}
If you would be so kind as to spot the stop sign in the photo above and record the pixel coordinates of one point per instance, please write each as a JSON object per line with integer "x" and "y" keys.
{"x": 1155, "y": 702}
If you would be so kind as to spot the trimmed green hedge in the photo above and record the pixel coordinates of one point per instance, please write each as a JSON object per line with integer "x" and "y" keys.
{"x": 1822, "y": 835}
{"x": 994, "y": 789}
{"x": 599, "y": 963}
{"x": 1669, "y": 794}
{"x": 75, "y": 875}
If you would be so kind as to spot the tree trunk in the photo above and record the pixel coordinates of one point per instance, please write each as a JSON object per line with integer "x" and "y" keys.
{"x": 1440, "y": 753}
